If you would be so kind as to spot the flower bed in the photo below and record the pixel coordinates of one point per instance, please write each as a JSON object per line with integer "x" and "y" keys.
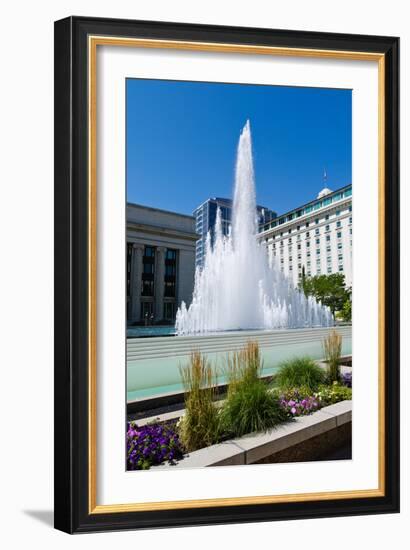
{"x": 152, "y": 444}
{"x": 251, "y": 405}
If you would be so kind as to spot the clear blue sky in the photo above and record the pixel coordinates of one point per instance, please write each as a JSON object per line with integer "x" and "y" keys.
{"x": 182, "y": 139}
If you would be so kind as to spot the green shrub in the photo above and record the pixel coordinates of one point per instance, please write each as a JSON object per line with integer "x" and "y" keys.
{"x": 299, "y": 372}
{"x": 249, "y": 406}
{"x": 328, "y": 395}
{"x": 199, "y": 427}
{"x": 332, "y": 348}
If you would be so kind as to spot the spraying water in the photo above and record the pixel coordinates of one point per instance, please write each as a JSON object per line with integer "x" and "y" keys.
{"x": 240, "y": 286}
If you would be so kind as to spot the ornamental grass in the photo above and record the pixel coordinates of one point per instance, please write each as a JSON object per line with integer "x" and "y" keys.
{"x": 199, "y": 427}
{"x": 249, "y": 405}
{"x": 299, "y": 372}
{"x": 332, "y": 348}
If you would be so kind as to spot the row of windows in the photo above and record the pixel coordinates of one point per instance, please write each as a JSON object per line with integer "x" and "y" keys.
{"x": 328, "y": 249}
{"x": 317, "y": 241}
{"x": 328, "y": 258}
{"x": 148, "y": 271}
{"x": 307, "y": 234}
{"x": 311, "y": 208}
{"x": 318, "y": 270}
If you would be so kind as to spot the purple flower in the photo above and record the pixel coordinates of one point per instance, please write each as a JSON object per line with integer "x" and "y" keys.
{"x": 152, "y": 444}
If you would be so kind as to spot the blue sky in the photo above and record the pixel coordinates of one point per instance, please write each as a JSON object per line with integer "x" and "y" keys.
{"x": 182, "y": 139}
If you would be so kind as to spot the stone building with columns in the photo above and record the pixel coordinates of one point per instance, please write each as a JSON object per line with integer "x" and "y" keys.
{"x": 160, "y": 263}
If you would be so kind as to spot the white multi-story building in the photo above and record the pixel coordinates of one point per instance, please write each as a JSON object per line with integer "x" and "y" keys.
{"x": 316, "y": 236}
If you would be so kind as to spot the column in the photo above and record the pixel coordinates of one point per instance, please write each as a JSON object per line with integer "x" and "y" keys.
{"x": 136, "y": 277}
{"x": 159, "y": 282}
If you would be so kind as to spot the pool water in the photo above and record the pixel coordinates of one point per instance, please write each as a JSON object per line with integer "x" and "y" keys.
{"x": 150, "y": 331}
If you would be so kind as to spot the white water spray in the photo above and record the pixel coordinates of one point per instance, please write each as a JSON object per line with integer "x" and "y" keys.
{"x": 240, "y": 286}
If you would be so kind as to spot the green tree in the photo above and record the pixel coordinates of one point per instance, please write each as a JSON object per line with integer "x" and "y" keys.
{"x": 328, "y": 289}
{"x": 347, "y": 310}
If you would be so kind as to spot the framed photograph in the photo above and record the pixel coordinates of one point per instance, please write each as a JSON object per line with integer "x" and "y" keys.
{"x": 226, "y": 274}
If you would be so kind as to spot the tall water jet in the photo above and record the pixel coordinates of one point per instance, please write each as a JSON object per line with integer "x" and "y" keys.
{"x": 240, "y": 286}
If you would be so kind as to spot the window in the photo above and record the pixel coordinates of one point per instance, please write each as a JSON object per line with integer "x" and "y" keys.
{"x": 337, "y": 212}
{"x": 148, "y": 271}
{"x": 317, "y": 241}
{"x": 340, "y": 257}
{"x": 281, "y": 260}
{"x": 350, "y": 230}
{"x": 327, "y": 217}
{"x": 298, "y": 228}
{"x": 317, "y": 251}
{"x": 328, "y": 249}
{"x": 308, "y": 244}
{"x": 340, "y": 267}
{"x": 339, "y": 224}
{"x": 309, "y": 273}
{"x": 290, "y": 258}
{"x": 316, "y": 221}
{"x": 147, "y": 287}
{"x": 308, "y": 263}
{"x": 339, "y": 234}
{"x": 317, "y": 231}
{"x": 170, "y": 273}
{"x": 350, "y": 219}
{"x": 318, "y": 261}
{"x": 307, "y": 224}
{"x": 327, "y": 228}
{"x": 339, "y": 246}
{"x": 308, "y": 254}
{"x": 307, "y": 234}
{"x": 299, "y": 256}
{"x": 170, "y": 288}
{"x": 299, "y": 246}
{"x": 290, "y": 268}
{"x": 327, "y": 238}
{"x": 169, "y": 311}
{"x": 329, "y": 259}
{"x": 329, "y": 270}
{"x": 281, "y": 244}
{"x": 290, "y": 240}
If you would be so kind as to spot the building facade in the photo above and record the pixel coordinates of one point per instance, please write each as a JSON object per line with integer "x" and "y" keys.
{"x": 205, "y": 218}
{"x": 316, "y": 236}
{"x": 160, "y": 263}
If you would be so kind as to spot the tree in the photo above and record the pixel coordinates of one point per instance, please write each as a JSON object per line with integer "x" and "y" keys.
{"x": 347, "y": 310}
{"x": 328, "y": 289}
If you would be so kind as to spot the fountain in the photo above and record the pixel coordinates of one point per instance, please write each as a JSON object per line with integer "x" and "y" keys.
{"x": 240, "y": 294}
{"x": 240, "y": 286}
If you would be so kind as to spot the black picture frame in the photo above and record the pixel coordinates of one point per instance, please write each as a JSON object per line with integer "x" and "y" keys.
{"x": 71, "y": 413}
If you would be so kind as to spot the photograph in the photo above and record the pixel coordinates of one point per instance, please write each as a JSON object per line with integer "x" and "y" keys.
{"x": 239, "y": 223}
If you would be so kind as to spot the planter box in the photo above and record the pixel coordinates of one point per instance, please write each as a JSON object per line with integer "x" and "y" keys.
{"x": 259, "y": 447}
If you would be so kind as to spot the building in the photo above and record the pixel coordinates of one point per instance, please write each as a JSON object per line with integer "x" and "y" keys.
{"x": 205, "y": 218}
{"x": 316, "y": 236}
{"x": 160, "y": 263}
